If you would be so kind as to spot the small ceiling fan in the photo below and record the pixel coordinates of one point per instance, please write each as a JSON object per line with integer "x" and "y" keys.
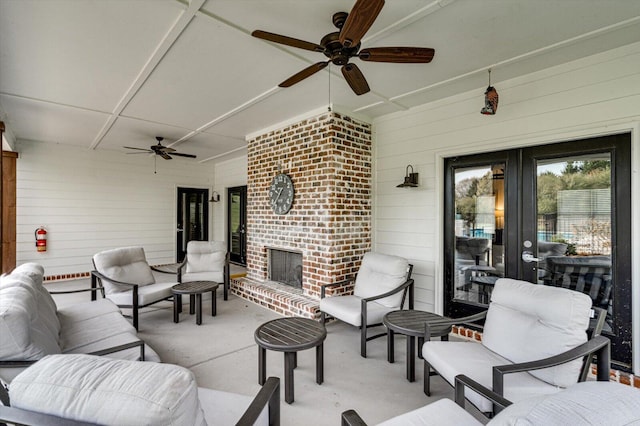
{"x": 163, "y": 151}
{"x": 344, "y": 44}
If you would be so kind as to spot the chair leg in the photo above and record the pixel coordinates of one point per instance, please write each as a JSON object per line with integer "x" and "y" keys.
{"x": 363, "y": 341}
{"x": 135, "y": 317}
{"x": 427, "y": 379}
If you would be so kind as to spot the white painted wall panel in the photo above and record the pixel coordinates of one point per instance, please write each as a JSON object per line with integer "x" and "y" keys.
{"x": 96, "y": 200}
{"x": 592, "y": 96}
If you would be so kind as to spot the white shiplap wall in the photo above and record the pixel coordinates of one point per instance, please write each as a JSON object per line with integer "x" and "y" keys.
{"x": 228, "y": 174}
{"x": 95, "y": 200}
{"x": 592, "y": 96}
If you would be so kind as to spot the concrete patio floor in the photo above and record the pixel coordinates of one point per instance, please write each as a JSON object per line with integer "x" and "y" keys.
{"x": 223, "y": 355}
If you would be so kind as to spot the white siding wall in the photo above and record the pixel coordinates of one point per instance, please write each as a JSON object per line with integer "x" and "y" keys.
{"x": 95, "y": 200}
{"x": 593, "y": 96}
{"x": 228, "y": 174}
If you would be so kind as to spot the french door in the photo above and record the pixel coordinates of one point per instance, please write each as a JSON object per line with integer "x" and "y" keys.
{"x": 193, "y": 218}
{"x": 237, "y": 224}
{"x": 556, "y": 215}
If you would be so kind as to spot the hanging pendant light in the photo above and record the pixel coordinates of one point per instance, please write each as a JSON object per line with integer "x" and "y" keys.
{"x": 490, "y": 99}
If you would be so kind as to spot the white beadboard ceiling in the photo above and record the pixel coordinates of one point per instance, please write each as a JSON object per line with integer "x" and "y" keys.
{"x": 100, "y": 74}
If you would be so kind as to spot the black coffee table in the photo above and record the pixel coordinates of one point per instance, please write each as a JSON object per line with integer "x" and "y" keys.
{"x": 411, "y": 323}
{"x": 194, "y": 289}
{"x": 290, "y": 335}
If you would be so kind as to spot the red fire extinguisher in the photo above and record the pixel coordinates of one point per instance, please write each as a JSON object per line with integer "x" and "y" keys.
{"x": 41, "y": 239}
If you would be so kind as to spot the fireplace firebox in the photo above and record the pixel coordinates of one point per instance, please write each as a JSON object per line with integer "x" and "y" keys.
{"x": 285, "y": 267}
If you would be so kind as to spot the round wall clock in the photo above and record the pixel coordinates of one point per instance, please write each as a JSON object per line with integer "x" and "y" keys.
{"x": 281, "y": 194}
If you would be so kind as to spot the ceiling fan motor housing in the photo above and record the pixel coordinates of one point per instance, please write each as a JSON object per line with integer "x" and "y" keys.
{"x": 335, "y": 51}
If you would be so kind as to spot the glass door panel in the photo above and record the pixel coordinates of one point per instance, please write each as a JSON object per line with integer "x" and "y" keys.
{"x": 236, "y": 224}
{"x": 192, "y": 218}
{"x": 479, "y": 226}
{"x": 574, "y": 226}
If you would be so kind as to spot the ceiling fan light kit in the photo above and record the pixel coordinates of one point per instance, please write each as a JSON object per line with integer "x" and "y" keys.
{"x": 342, "y": 45}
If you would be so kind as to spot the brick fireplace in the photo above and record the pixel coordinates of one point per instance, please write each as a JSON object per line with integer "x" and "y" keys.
{"x": 328, "y": 158}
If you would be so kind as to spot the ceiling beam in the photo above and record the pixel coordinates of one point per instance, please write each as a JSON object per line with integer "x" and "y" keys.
{"x": 161, "y": 50}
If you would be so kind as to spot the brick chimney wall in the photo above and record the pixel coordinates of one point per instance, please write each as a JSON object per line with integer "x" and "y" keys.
{"x": 328, "y": 158}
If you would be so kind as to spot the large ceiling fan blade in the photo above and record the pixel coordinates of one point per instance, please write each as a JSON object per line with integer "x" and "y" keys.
{"x": 404, "y": 55}
{"x": 179, "y": 154}
{"x": 164, "y": 155}
{"x": 288, "y": 41}
{"x": 139, "y": 149}
{"x": 356, "y": 80}
{"x": 360, "y": 19}
{"x": 307, "y": 72}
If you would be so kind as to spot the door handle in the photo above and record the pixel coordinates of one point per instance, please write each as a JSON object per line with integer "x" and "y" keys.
{"x": 528, "y": 257}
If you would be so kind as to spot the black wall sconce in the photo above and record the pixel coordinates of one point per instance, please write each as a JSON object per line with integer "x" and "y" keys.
{"x": 410, "y": 179}
{"x": 215, "y": 197}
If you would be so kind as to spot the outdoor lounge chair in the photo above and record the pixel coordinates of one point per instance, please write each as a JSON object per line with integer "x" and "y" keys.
{"x": 534, "y": 342}
{"x": 206, "y": 261}
{"x": 124, "y": 276}
{"x": 85, "y": 389}
{"x": 381, "y": 286}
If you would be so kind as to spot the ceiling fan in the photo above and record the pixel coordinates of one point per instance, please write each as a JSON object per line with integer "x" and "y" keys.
{"x": 344, "y": 44}
{"x": 163, "y": 151}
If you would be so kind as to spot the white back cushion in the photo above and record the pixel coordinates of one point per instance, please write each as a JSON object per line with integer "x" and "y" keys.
{"x": 108, "y": 391}
{"x": 30, "y": 276}
{"x": 380, "y": 273}
{"x": 206, "y": 256}
{"x": 126, "y": 264}
{"x": 526, "y": 322}
{"x": 22, "y": 335}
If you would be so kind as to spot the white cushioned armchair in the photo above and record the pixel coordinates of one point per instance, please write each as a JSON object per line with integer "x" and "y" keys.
{"x": 206, "y": 261}
{"x": 381, "y": 286}
{"x": 124, "y": 276}
{"x": 65, "y": 389}
{"x": 534, "y": 343}
{"x": 591, "y": 403}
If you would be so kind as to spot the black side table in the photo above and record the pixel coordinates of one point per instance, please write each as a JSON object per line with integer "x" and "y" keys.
{"x": 194, "y": 289}
{"x": 411, "y": 323}
{"x": 290, "y": 335}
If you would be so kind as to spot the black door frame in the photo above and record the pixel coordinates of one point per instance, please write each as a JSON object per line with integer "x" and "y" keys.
{"x": 203, "y": 195}
{"x": 241, "y": 257}
{"x": 619, "y": 145}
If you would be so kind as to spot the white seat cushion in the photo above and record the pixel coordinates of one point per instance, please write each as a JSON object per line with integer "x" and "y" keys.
{"x": 215, "y": 276}
{"x": 442, "y": 412}
{"x": 380, "y": 273}
{"x": 226, "y": 408}
{"x": 476, "y": 361}
{"x": 146, "y": 294}
{"x": 347, "y": 309}
{"x": 586, "y": 403}
{"x": 111, "y": 392}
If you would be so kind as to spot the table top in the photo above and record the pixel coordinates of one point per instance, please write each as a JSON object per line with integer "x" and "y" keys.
{"x": 290, "y": 334}
{"x": 411, "y": 322}
{"x": 194, "y": 287}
